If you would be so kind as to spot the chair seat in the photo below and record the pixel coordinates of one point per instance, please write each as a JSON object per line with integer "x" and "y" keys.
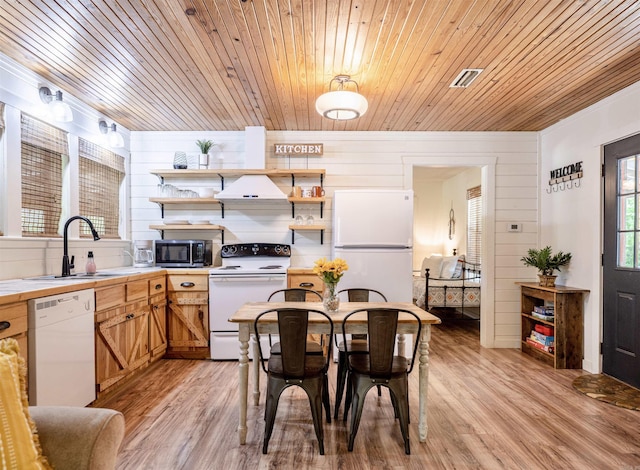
{"x": 313, "y": 365}
{"x": 360, "y": 364}
{"x": 355, "y": 345}
{"x": 313, "y": 348}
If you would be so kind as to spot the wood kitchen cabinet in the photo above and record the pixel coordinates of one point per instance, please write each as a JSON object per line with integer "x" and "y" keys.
{"x": 13, "y": 324}
{"x": 188, "y": 316}
{"x": 122, "y": 331}
{"x": 157, "y": 318}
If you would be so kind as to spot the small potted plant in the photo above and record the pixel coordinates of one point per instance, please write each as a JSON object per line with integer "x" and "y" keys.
{"x": 546, "y": 263}
{"x": 204, "y": 145}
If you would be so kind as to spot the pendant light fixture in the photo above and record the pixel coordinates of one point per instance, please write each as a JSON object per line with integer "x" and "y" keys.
{"x": 60, "y": 111}
{"x": 341, "y": 104}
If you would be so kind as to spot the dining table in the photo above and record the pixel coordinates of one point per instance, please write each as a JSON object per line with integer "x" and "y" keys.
{"x": 245, "y": 317}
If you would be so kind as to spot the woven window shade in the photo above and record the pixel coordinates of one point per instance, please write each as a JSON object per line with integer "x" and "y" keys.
{"x": 474, "y": 225}
{"x": 42, "y": 152}
{"x": 101, "y": 174}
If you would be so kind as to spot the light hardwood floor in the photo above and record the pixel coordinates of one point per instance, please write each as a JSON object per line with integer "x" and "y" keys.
{"x": 488, "y": 409}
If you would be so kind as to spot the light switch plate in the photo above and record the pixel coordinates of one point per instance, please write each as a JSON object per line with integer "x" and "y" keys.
{"x": 514, "y": 227}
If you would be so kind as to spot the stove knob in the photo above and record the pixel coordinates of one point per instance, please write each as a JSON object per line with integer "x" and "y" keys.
{"x": 286, "y": 251}
{"x": 229, "y": 250}
{"x": 277, "y": 249}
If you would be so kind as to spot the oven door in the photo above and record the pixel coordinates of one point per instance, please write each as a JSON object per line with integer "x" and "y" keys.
{"x": 226, "y": 295}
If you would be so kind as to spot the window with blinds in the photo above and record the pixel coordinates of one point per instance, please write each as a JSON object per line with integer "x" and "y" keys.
{"x": 44, "y": 151}
{"x": 474, "y": 225}
{"x": 101, "y": 173}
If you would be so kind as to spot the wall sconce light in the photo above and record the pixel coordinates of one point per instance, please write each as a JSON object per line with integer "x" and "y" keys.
{"x": 114, "y": 137}
{"x": 341, "y": 104}
{"x": 60, "y": 111}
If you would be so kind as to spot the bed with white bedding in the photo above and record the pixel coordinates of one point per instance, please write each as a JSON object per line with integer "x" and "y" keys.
{"x": 448, "y": 282}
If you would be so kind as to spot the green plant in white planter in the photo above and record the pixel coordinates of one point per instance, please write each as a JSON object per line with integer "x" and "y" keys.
{"x": 204, "y": 145}
{"x": 546, "y": 263}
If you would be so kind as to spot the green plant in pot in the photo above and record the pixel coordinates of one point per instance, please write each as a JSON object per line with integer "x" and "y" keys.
{"x": 546, "y": 263}
{"x": 204, "y": 145}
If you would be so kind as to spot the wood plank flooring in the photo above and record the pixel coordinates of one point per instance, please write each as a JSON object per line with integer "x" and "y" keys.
{"x": 488, "y": 409}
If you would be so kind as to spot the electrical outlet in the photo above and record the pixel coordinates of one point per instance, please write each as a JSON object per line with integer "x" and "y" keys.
{"x": 514, "y": 227}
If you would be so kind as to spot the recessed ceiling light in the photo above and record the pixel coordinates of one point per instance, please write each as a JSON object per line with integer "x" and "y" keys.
{"x": 465, "y": 78}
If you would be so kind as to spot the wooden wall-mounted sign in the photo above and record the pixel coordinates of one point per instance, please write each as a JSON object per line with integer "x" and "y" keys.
{"x": 298, "y": 150}
{"x": 566, "y": 177}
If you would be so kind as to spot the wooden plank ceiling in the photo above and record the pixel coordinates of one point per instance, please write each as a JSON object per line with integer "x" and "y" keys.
{"x": 154, "y": 65}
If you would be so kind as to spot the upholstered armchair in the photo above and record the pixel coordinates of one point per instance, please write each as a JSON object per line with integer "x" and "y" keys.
{"x": 79, "y": 438}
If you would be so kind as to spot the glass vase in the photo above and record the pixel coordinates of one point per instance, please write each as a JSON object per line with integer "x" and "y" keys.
{"x": 330, "y": 300}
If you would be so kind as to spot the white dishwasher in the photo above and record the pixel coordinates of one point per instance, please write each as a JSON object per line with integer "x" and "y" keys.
{"x": 62, "y": 349}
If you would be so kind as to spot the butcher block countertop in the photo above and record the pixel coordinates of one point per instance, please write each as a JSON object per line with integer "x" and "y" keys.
{"x": 17, "y": 290}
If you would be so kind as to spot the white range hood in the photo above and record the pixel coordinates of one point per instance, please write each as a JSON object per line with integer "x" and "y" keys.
{"x": 252, "y": 187}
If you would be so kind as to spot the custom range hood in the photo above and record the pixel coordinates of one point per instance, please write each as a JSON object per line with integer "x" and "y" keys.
{"x": 254, "y": 186}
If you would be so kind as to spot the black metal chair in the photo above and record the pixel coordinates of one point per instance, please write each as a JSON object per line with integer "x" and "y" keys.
{"x": 380, "y": 367}
{"x": 357, "y": 344}
{"x": 296, "y": 294}
{"x": 295, "y": 367}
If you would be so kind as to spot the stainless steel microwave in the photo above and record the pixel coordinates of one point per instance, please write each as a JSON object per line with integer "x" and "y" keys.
{"x": 182, "y": 253}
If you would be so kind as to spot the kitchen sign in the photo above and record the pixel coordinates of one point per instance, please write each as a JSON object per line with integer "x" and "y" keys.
{"x": 298, "y": 150}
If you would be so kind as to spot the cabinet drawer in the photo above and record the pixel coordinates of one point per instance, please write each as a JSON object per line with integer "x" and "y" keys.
{"x": 157, "y": 285}
{"x": 137, "y": 290}
{"x": 187, "y": 282}
{"x": 110, "y": 297}
{"x": 13, "y": 319}
{"x": 306, "y": 281}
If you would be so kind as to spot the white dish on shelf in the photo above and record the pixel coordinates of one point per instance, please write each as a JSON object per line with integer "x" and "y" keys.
{"x": 200, "y": 222}
{"x": 176, "y": 222}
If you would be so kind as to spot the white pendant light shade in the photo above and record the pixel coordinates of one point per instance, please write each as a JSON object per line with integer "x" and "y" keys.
{"x": 342, "y": 105}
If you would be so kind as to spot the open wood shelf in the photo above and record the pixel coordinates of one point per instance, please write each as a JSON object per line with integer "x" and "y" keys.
{"x": 232, "y": 172}
{"x": 567, "y": 323}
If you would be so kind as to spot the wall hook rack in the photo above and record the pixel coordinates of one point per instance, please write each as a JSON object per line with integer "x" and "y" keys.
{"x": 567, "y": 177}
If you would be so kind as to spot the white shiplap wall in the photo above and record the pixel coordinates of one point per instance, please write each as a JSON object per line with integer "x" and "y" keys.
{"x": 363, "y": 160}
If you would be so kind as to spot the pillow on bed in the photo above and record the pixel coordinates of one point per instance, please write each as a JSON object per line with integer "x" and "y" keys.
{"x": 449, "y": 264}
{"x": 457, "y": 273}
{"x": 434, "y": 263}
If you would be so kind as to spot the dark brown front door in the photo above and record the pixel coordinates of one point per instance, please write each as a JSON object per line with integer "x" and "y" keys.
{"x": 621, "y": 261}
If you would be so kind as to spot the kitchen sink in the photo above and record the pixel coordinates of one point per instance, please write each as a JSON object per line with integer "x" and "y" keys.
{"x": 53, "y": 277}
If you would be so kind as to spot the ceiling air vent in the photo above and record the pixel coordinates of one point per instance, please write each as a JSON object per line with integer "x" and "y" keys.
{"x": 465, "y": 78}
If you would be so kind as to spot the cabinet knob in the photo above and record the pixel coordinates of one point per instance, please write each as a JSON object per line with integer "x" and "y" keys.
{"x": 306, "y": 284}
{"x": 5, "y": 325}
{"x": 187, "y": 284}
{"x": 130, "y": 316}
{"x": 158, "y": 286}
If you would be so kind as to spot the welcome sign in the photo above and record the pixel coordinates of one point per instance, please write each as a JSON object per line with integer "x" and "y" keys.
{"x": 298, "y": 150}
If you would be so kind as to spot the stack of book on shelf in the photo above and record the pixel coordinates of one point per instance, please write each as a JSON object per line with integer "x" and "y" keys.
{"x": 542, "y": 338}
{"x": 543, "y": 312}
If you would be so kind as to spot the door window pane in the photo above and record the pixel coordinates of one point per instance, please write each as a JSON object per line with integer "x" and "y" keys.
{"x": 627, "y": 175}
{"x": 627, "y": 212}
{"x": 625, "y": 249}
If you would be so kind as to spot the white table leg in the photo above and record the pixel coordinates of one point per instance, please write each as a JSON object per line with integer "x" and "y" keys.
{"x": 423, "y": 351}
{"x": 243, "y": 383}
{"x": 256, "y": 373}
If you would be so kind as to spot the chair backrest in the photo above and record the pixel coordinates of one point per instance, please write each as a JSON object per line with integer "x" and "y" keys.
{"x": 293, "y": 324}
{"x": 294, "y": 294}
{"x": 382, "y": 326}
{"x": 361, "y": 294}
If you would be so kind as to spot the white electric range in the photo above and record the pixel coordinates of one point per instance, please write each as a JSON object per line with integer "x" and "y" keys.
{"x": 250, "y": 272}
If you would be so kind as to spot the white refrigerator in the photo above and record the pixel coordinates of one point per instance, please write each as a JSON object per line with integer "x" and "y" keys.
{"x": 373, "y": 233}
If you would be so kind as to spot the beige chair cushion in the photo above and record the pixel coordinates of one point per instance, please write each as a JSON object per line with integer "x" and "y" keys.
{"x": 19, "y": 444}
